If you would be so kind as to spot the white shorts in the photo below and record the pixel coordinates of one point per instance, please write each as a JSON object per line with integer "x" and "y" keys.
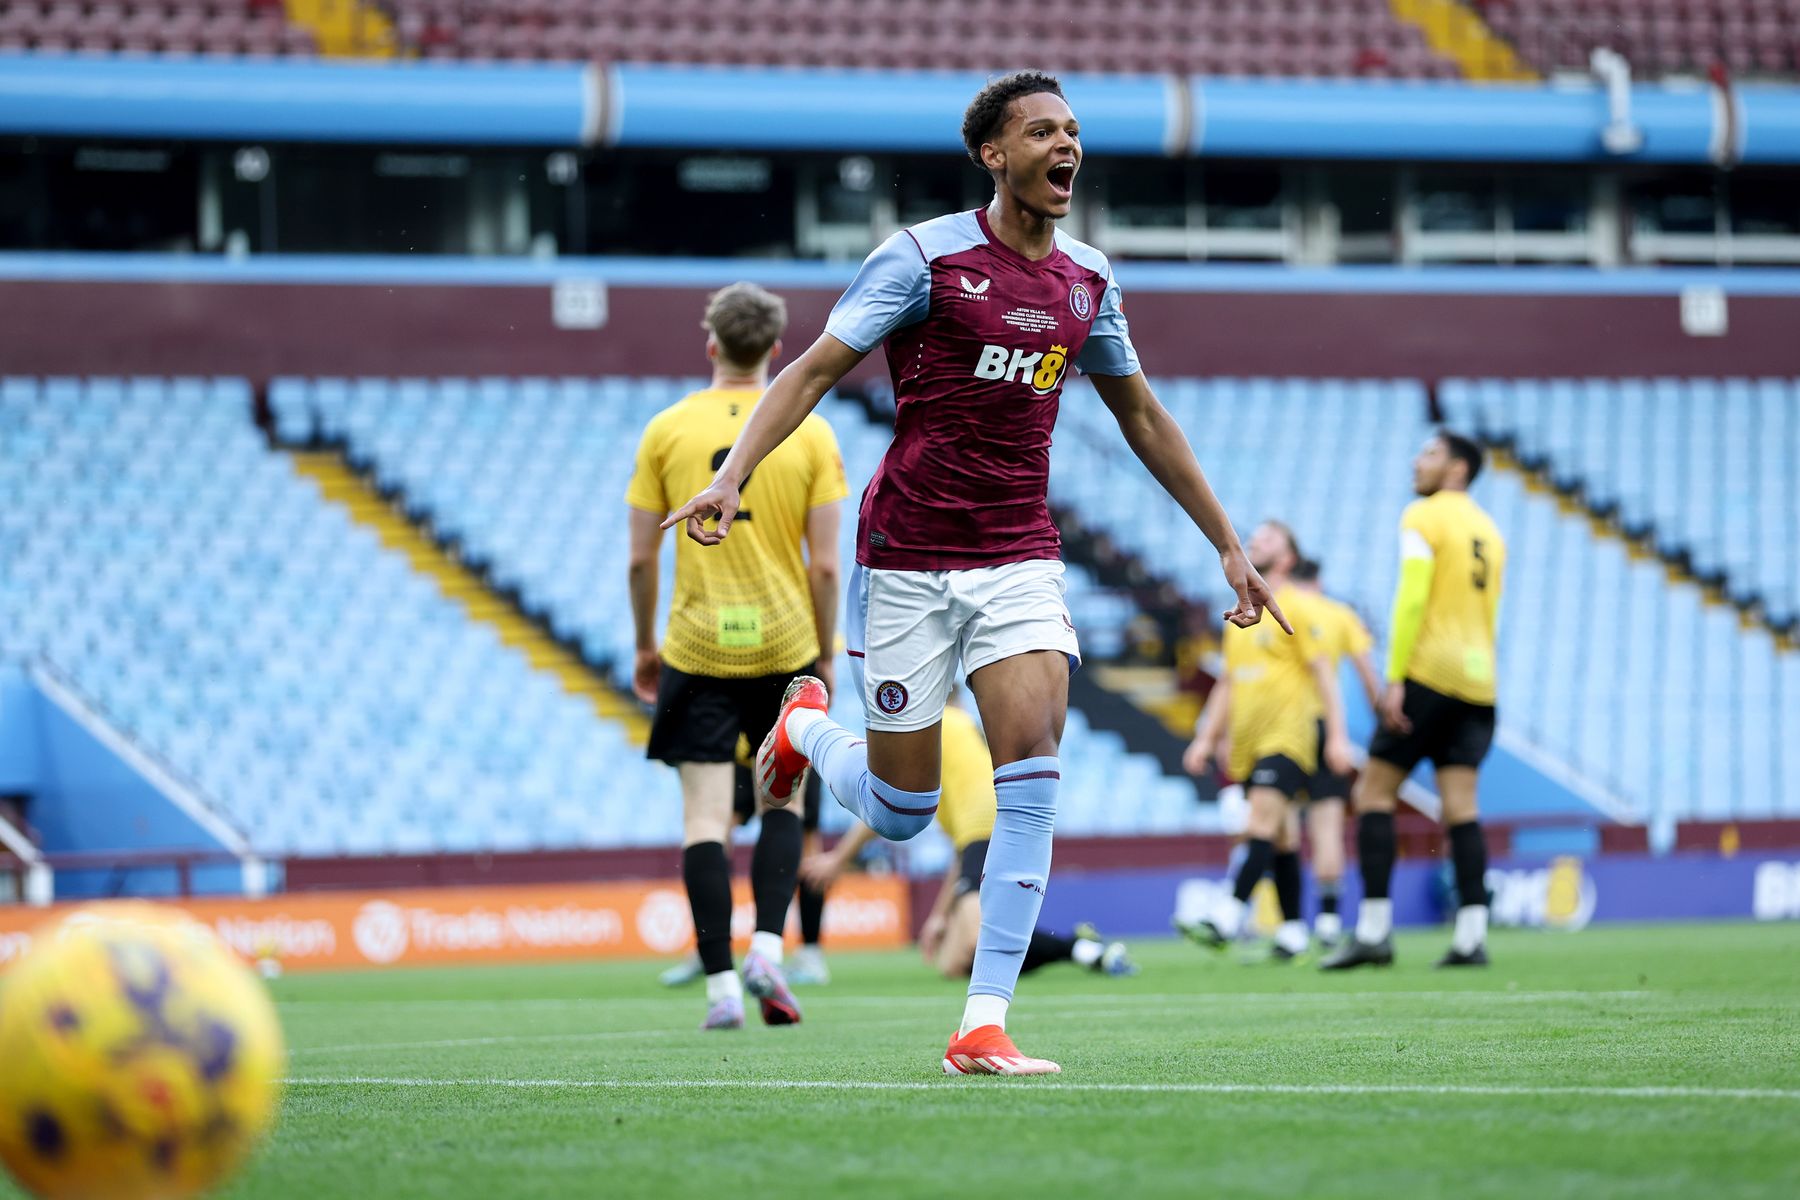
{"x": 907, "y": 630}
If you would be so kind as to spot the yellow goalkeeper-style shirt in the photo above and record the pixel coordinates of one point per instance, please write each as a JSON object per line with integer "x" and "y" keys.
{"x": 742, "y": 608}
{"x": 1454, "y": 653}
{"x": 1275, "y": 705}
{"x": 1343, "y": 634}
{"x": 966, "y": 808}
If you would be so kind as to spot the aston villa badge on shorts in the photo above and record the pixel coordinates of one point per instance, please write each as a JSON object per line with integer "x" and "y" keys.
{"x": 890, "y": 697}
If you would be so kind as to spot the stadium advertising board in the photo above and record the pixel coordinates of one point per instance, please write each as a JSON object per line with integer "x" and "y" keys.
{"x": 1566, "y": 892}
{"x": 466, "y": 925}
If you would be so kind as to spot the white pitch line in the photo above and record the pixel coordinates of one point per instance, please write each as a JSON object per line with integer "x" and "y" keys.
{"x": 1035, "y": 1001}
{"x": 1208, "y": 1089}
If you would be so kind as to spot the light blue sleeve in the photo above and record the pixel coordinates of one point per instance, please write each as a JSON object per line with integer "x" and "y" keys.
{"x": 1108, "y": 349}
{"x": 891, "y": 291}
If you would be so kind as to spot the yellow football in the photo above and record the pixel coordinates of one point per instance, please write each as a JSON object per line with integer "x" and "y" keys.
{"x": 139, "y": 1057}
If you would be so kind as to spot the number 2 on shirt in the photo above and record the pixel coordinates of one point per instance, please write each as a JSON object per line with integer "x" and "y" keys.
{"x": 718, "y": 460}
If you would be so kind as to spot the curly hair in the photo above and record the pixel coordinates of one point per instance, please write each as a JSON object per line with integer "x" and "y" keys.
{"x": 987, "y": 111}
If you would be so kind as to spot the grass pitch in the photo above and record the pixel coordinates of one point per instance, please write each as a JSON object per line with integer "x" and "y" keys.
{"x": 1641, "y": 1062}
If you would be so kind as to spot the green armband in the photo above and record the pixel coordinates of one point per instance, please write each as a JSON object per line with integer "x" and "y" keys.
{"x": 1408, "y": 614}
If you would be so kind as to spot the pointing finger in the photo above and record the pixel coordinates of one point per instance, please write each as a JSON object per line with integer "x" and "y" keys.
{"x": 1275, "y": 611}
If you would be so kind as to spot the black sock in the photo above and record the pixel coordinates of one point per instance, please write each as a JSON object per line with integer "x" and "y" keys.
{"x": 775, "y": 868}
{"x": 1287, "y": 884}
{"x": 1328, "y": 896}
{"x": 812, "y": 914}
{"x": 1468, "y": 851}
{"x": 1047, "y": 948}
{"x": 707, "y": 873}
{"x": 1375, "y": 852}
{"x": 1258, "y": 853}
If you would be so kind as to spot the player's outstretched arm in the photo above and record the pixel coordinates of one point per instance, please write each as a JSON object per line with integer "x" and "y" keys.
{"x": 794, "y": 394}
{"x": 1159, "y": 443}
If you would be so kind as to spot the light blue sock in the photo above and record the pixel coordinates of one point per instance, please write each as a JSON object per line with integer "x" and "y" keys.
{"x": 842, "y": 761}
{"x": 1018, "y": 866}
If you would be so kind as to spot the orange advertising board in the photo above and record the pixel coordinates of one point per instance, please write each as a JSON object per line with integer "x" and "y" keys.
{"x": 337, "y": 930}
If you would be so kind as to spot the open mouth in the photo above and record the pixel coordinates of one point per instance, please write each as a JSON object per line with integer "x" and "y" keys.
{"x": 1062, "y": 179}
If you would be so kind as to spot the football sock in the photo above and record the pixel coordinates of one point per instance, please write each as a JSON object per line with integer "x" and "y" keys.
{"x": 1327, "y": 924}
{"x": 1287, "y": 884}
{"x": 1468, "y": 852}
{"x": 1375, "y": 856}
{"x": 1471, "y": 928}
{"x": 725, "y": 985}
{"x": 1292, "y": 936}
{"x": 766, "y": 944}
{"x": 707, "y": 873}
{"x": 1375, "y": 853}
{"x": 1374, "y": 920}
{"x": 842, "y": 761}
{"x": 1328, "y": 896}
{"x": 812, "y": 914}
{"x": 1087, "y": 952}
{"x": 1012, "y": 887}
{"x": 1047, "y": 948}
{"x": 774, "y": 868}
{"x": 1257, "y": 857}
{"x": 983, "y": 1010}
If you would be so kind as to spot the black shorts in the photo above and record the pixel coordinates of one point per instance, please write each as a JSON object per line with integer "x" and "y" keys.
{"x": 1448, "y": 731}
{"x": 1280, "y": 772}
{"x": 974, "y": 862}
{"x": 699, "y": 717}
{"x": 1327, "y": 784}
{"x": 743, "y": 799}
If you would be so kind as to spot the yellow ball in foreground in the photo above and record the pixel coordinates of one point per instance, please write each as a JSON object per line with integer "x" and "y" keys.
{"x": 139, "y": 1057}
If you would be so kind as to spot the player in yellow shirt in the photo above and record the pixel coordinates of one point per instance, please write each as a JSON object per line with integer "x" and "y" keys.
{"x": 1272, "y": 695}
{"x": 966, "y": 813}
{"x": 744, "y": 620}
{"x": 1344, "y": 637}
{"x": 1439, "y": 702}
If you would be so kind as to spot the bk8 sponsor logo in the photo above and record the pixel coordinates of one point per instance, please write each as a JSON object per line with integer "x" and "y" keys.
{"x": 1042, "y": 370}
{"x": 1775, "y": 895}
{"x": 1560, "y": 896}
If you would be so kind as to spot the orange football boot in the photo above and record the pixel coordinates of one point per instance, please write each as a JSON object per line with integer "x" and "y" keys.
{"x": 986, "y": 1050}
{"x": 780, "y": 767}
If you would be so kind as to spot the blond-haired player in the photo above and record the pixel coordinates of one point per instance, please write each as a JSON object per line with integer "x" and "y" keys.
{"x": 1272, "y": 696}
{"x": 1343, "y": 636}
{"x": 744, "y": 621}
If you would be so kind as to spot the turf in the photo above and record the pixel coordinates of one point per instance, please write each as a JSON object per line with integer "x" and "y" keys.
{"x": 1641, "y": 1062}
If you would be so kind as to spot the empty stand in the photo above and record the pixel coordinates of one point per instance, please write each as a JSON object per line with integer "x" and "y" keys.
{"x": 322, "y": 696}
{"x": 1218, "y": 37}
{"x": 176, "y": 27}
{"x": 1700, "y": 468}
{"x": 1749, "y": 37}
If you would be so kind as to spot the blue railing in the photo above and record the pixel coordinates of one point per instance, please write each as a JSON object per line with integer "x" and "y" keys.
{"x": 873, "y": 111}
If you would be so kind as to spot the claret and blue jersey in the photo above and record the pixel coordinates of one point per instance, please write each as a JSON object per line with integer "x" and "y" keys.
{"x": 979, "y": 341}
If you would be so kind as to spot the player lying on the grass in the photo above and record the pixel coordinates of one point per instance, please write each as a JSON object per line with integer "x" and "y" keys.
{"x": 1273, "y": 693}
{"x": 807, "y": 966}
{"x": 966, "y": 813}
{"x": 983, "y": 313}
{"x": 1344, "y": 637}
{"x": 1439, "y": 702}
{"x": 742, "y": 624}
